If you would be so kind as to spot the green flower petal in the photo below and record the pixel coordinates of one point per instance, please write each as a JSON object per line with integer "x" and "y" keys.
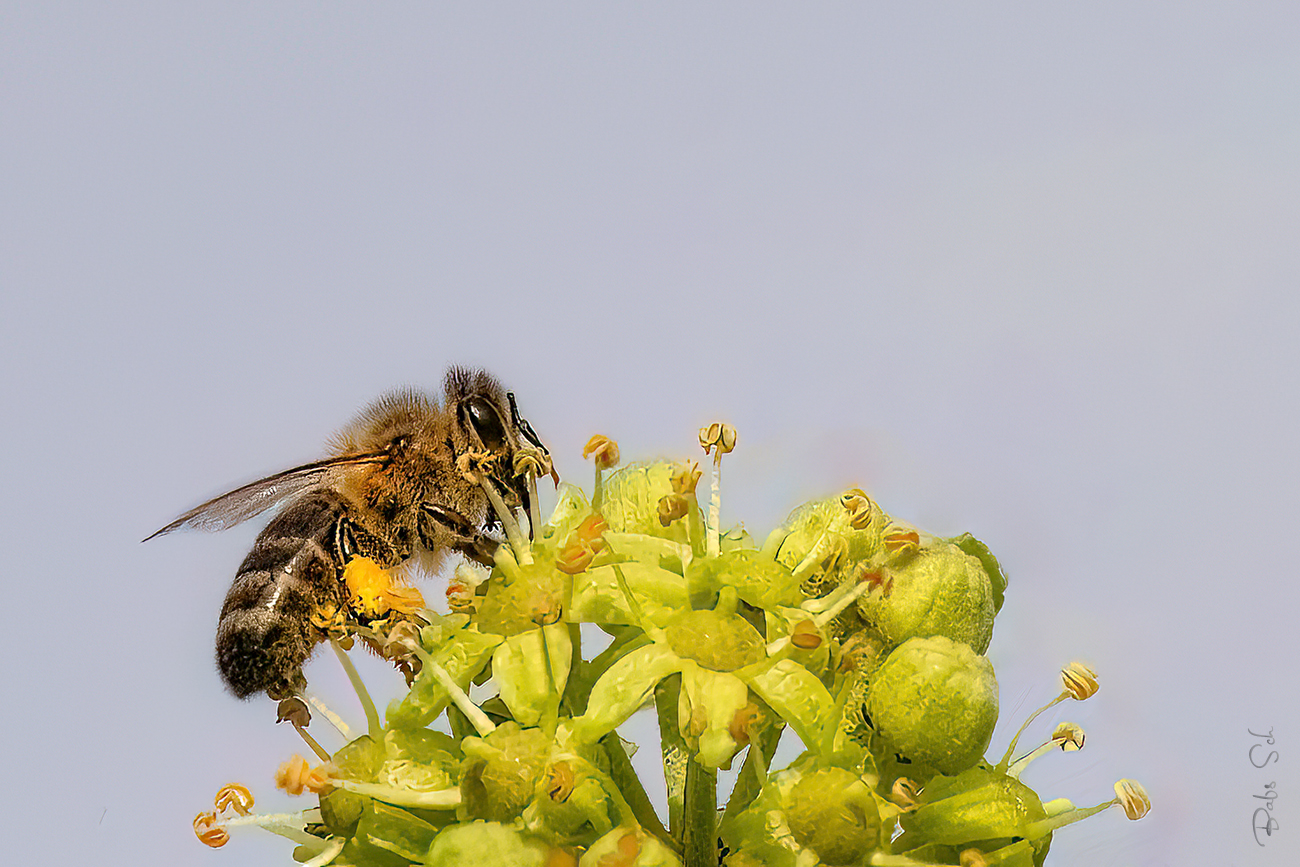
{"x": 622, "y": 689}
{"x": 756, "y": 577}
{"x": 710, "y": 700}
{"x": 979, "y": 805}
{"x": 528, "y": 682}
{"x": 463, "y": 654}
{"x": 798, "y": 696}
{"x": 597, "y": 598}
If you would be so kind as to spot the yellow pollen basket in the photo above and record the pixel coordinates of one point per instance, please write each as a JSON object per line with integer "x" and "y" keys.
{"x": 373, "y": 592}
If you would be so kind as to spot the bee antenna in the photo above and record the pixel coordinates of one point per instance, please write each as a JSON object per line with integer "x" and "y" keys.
{"x": 522, "y": 424}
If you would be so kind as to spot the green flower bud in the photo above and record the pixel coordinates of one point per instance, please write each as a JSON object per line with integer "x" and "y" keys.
{"x": 938, "y": 591}
{"x": 979, "y": 808}
{"x": 484, "y": 844}
{"x": 629, "y": 847}
{"x": 936, "y": 701}
{"x": 831, "y": 811}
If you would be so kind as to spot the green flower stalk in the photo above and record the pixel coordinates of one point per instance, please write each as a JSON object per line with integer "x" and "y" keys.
{"x": 847, "y": 629}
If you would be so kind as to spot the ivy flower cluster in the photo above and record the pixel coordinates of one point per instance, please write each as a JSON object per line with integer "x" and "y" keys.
{"x": 856, "y": 633}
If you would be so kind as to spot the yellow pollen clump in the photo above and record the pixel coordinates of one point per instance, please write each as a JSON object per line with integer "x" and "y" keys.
{"x": 373, "y": 592}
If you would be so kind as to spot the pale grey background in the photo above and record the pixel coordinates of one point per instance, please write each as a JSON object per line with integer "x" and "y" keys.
{"x": 1027, "y": 270}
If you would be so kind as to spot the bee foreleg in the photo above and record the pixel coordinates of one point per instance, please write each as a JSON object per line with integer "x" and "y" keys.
{"x": 458, "y": 534}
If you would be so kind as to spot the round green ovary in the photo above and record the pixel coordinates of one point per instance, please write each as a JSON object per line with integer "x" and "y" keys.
{"x": 831, "y": 812}
{"x": 936, "y": 701}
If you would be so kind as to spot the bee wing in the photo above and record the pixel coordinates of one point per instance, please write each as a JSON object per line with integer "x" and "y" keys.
{"x": 255, "y": 498}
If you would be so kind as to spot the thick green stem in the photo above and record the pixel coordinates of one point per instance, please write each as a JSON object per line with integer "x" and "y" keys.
{"x": 629, "y": 785}
{"x": 753, "y": 773}
{"x": 700, "y": 823}
{"x": 673, "y": 747}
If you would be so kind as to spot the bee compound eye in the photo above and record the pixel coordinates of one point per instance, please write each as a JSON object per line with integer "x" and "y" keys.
{"x": 486, "y": 422}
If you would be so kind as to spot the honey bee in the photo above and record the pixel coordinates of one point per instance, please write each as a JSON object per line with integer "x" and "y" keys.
{"x": 393, "y": 489}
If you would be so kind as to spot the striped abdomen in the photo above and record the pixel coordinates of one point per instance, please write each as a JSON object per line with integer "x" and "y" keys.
{"x": 265, "y": 632}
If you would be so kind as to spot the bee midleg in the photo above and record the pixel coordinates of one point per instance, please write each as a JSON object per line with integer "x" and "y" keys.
{"x": 266, "y": 633}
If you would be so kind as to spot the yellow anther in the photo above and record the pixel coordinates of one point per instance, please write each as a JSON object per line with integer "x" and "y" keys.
{"x": 236, "y": 797}
{"x": 559, "y": 781}
{"x": 805, "y": 635}
{"x": 574, "y": 557}
{"x": 672, "y": 507}
{"x": 1079, "y": 680}
{"x": 718, "y": 435}
{"x": 902, "y": 541}
{"x": 295, "y": 776}
{"x": 592, "y": 532}
{"x": 686, "y": 478}
{"x": 859, "y": 506}
{"x": 1133, "y": 798}
{"x": 905, "y": 793}
{"x": 603, "y": 450}
{"x": 1070, "y": 735}
{"x": 460, "y": 597}
{"x": 530, "y": 459}
{"x": 209, "y": 832}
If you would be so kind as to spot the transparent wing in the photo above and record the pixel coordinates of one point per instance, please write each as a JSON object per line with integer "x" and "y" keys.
{"x": 255, "y": 498}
